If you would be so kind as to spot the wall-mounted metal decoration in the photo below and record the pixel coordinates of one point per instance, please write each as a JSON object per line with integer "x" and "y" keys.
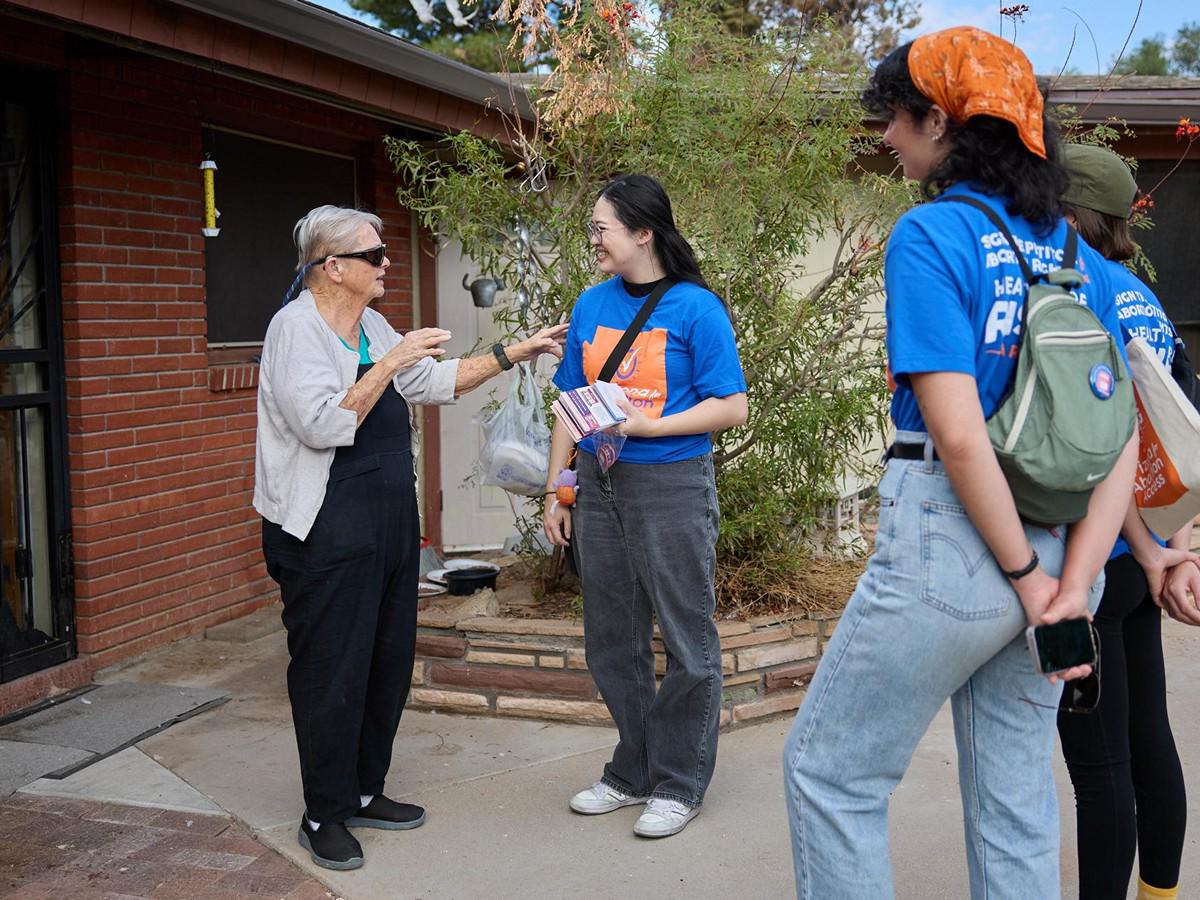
{"x": 483, "y": 290}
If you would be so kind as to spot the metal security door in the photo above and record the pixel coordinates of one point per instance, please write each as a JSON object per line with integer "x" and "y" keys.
{"x": 36, "y": 603}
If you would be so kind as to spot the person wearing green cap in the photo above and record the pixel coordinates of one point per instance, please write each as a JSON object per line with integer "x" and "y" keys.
{"x": 1129, "y": 788}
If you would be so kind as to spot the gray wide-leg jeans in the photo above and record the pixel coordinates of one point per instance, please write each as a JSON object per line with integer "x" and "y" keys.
{"x": 644, "y": 538}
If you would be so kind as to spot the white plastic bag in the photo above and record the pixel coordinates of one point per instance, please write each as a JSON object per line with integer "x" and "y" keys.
{"x": 516, "y": 450}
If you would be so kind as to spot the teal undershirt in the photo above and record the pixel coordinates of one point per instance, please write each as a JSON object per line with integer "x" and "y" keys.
{"x": 364, "y": 347}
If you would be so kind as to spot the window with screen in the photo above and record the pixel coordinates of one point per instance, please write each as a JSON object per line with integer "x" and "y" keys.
{"x": 1173, "y": 244}
{"x": 262, "y": 188}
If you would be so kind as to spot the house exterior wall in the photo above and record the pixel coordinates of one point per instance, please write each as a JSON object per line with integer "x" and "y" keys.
{"x": 160, "y": 429}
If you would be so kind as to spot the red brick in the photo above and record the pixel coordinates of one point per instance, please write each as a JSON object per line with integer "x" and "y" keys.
{"x": 80, "y": 461}
{"x": 117, "y": 617}
{"x": 108, "y": 179}
{"x": 77, "y": 272}
{"x": 89, "y": 550}
{"x": 92, "y": 367}
{"x": 102, "y": 440}
{"x": 445, "y": 646}
{"x": 790, "y": 677}
{"x": 533, "y": 681}
{"x": 95, "y": 587}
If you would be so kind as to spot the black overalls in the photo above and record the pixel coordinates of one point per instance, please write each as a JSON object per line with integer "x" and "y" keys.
{"x": 350, "y": 608}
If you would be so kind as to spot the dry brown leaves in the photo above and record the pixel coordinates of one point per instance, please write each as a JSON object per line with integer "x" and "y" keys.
{"x": 823, "y": 586}
{"x": 590, "y": 52}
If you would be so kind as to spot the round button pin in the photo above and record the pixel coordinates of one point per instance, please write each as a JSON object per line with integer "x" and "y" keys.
{"x": 1102, "y": 380}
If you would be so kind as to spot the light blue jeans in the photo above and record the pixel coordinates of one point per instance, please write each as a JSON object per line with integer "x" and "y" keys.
{"x": 932, "y": 617}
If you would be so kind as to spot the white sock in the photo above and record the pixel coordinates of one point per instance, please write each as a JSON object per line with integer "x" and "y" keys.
{"x": 364, "y": 799}
{"x": 315, "y": 826}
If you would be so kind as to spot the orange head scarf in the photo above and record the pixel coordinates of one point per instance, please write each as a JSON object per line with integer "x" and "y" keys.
{"x": 970, "y": 72}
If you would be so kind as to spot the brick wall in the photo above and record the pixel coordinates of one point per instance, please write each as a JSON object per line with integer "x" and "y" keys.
{"x": 160, "y": 432}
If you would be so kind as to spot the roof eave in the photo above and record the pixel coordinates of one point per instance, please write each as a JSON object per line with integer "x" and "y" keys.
{"x": 328, "y": 32}
{"x": 1132, "y": 109}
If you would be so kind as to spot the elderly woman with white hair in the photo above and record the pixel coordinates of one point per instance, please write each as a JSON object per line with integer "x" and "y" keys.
{"x": 335, "y": 485}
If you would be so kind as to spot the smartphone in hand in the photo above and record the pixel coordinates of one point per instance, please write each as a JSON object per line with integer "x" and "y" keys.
{"x": 1061, "y": 646}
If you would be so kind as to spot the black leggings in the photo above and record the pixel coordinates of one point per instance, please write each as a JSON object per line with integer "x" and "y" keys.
{"x": 1129, "y": 790}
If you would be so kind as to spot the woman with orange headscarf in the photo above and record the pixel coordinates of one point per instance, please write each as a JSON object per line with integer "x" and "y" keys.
{"x": 957, "y": 575}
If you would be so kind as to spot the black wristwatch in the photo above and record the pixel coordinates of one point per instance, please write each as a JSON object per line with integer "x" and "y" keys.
{"x": 1021, "y": 573}
{"x": 501, "y": 357}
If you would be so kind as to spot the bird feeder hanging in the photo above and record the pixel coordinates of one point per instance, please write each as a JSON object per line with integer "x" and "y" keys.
{"x": 208, "y": 172}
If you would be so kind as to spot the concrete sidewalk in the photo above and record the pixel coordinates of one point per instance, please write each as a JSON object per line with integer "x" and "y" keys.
{"x": 496, "y": 791}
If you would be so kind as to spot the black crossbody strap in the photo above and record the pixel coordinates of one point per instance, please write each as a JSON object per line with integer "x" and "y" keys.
{"x": 631, "y": 333}
{"x": 1071, "y": 248}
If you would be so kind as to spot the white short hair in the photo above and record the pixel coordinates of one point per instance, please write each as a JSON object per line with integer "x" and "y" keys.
{"x": 330, "y": 229}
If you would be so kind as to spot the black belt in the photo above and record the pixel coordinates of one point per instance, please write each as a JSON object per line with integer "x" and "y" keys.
{"x": 907, "y": 451}
{"x": 917, "y": 451}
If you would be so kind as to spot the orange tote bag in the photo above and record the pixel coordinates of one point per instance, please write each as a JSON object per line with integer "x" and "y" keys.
{"x": 1167, "y": 489}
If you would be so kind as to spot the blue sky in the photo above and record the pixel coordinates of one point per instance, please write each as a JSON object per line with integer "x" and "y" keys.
{"x": 1046, "y": 33}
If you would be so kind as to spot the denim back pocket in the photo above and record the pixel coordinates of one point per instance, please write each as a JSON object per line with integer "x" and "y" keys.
{"x": 958, "y": 574}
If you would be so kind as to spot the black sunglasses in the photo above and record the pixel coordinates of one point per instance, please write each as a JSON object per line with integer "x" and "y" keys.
{"x": 374, "y": 256}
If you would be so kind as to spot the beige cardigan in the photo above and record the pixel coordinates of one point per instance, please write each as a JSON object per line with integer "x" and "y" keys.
{"x": 304, "y": 374}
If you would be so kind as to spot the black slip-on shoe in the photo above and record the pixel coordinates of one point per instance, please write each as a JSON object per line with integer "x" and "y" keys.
{"x": 384, "y": 813}
{"x": 331, "y": 846}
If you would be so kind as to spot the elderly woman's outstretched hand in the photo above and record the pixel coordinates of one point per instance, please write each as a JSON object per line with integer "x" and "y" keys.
{"x": 548, "y": 340}
{"x": 416, "y": 346}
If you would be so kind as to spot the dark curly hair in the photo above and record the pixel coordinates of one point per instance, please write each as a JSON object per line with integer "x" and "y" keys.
{"x": 984, "y": 151}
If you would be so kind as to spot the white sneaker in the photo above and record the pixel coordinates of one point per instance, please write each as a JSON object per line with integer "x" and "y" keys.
{"x": 663, "y": 818}
{"x": 602, "y": 798}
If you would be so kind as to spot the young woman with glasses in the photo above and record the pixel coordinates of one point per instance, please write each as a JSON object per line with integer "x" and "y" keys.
{"x": 335, "y": 486}
{"x": 1129, "y": 787}
{"x": 956, "y": 575}
{"x": 644, "y": 531}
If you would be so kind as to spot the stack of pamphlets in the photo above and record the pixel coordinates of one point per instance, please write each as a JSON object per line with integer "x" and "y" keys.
{"x": 590, "y": 409}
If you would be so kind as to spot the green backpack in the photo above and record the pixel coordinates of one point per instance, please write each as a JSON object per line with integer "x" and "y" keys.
{"x": 1069, "y": 411}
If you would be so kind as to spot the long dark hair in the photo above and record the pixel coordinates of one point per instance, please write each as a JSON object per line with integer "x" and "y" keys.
{"x": 984, "y": 151}
{"x": 1110, "y": 235}
{"x": 641, "y": 202}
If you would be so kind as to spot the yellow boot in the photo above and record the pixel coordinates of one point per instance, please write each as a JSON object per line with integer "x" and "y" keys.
{"x": 1145, "y": 892}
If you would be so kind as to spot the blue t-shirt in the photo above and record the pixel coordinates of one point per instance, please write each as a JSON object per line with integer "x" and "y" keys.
{"x": 684, "y": 354}
{"x": 1140, "y": 315}
{"x": 364, "y": 346}
{"x": 955, "y": 296}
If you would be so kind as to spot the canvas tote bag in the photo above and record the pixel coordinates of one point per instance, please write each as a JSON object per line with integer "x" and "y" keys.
{"x": 1167, "y": 489}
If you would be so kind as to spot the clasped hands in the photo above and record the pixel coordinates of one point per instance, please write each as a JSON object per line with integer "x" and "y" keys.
{"x": 1172, "y": 576}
